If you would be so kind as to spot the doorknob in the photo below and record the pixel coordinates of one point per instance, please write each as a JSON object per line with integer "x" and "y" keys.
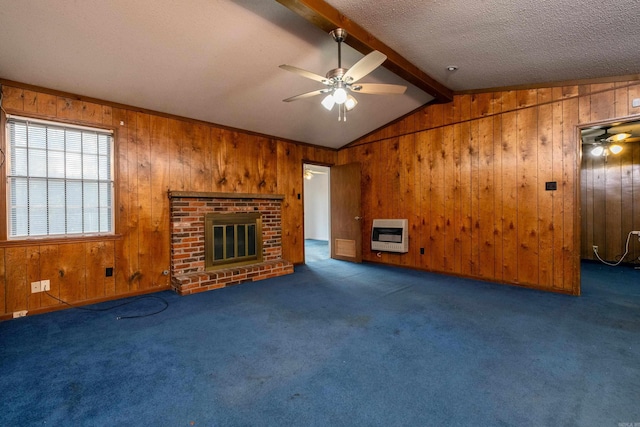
{"x": 358, "y": 218}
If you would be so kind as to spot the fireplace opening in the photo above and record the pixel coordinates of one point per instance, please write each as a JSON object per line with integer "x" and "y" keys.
{"x": 232, "y": 239}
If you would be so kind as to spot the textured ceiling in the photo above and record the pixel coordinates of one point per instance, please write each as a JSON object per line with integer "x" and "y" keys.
{"x": 217, "y": 60}
{"x": 506, "y": 42}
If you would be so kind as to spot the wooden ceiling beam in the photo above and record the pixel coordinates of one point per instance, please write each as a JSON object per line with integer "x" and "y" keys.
{"x": 327, "y": 18}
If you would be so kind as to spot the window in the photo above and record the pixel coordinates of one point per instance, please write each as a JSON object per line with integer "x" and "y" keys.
{"x": 60, "y": 179}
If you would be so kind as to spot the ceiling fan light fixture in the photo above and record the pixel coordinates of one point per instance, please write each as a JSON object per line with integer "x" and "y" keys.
{"x": 340, "y": 95}
{"x": 350, "y": 103}
{"x": 615, "y": 148}
{"x": 598, "y": 150}
{"x": 328, "y": 102}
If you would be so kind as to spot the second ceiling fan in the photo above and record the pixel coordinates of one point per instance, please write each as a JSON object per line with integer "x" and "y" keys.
{"x": 341, "y": 83}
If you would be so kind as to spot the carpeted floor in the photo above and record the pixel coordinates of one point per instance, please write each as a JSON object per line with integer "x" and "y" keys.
{"x": 316, "y": 250}
{"x": 336, "y": 344}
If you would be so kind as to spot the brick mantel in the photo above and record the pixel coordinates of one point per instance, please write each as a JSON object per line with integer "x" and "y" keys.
{"x": 187, "y": 217}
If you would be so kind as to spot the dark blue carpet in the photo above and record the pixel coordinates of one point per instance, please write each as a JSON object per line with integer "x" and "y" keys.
{"x": 316, "y": 250}
{"x": 336, "y": 344}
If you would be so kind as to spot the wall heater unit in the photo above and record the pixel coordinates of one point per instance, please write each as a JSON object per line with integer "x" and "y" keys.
{"x": 390, "y": 235}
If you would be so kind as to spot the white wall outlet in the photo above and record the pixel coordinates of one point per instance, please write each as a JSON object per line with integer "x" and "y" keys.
{"x": 36, "y": 287}
{"x": 45, "y": 285}
{"x": 21, "y": 313}
{"x": 635, "y": 102}
{"x": 595, "y": 248}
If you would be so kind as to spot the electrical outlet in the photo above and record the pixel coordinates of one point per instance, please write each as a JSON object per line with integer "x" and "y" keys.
{"x": 21, "y": 313}
{"x": 36, "y": 287}
{"x": 595, "y": 248}
{"x": 41, "y": 286}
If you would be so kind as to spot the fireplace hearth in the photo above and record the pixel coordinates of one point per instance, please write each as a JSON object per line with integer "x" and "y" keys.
{"x": 223, "y": 239}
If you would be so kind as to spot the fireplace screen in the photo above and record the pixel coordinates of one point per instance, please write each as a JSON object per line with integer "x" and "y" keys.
{"x": 232, "y": 239}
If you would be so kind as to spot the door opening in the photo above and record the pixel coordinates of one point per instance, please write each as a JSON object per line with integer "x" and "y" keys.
{"x": 316, "y": 212}
{"x": 609, "y": 197}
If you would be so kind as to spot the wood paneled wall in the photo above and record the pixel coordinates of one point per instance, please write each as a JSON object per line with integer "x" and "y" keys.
{"x": 611, "y": 204}
{"x": 470, "y": 177}
{"x": 153, "y": 154}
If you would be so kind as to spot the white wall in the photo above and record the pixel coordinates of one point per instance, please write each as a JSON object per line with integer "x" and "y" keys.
{"x": 316, "y": 206}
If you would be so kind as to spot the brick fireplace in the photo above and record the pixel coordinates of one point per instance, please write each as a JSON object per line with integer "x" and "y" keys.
{"x": 187, "y": 217}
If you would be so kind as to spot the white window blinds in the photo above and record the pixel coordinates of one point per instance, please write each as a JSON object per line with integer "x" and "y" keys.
{"x": 60, "y": 179}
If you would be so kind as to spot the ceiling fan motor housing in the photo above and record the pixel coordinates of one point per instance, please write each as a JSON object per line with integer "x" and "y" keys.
{"x": 336, "y": 73}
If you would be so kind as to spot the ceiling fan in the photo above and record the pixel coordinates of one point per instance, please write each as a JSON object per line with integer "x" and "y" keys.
{"x": 606, "y": 140}
{"x": 309, "y": 173}
{"x": 341, "y": 83}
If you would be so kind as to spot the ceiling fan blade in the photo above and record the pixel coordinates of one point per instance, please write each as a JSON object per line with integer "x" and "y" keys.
{"x": 364, "y": 66}
{"x": 593, "y": 132}
{"x": 307, "y": 95}
{"x": 378, "y": 89}
{"x": 305, "y": 73}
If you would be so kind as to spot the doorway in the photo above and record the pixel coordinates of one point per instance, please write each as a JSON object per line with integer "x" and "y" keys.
{"x": 610, "y": 193}
{"x": 317, "y": 222}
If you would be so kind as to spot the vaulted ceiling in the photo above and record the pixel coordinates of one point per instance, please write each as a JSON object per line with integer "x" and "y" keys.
{"x": 218, "y": 60}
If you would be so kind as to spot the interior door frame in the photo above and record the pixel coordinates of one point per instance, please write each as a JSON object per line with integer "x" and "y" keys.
{"x": 578, "y": 179}
{"x": 316, "y": 163}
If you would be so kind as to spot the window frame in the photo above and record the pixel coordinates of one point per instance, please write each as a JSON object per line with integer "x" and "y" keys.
{"x": 112, "y": 187}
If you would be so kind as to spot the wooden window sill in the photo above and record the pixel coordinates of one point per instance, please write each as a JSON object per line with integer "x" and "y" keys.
{"x": 40, "y": 241}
